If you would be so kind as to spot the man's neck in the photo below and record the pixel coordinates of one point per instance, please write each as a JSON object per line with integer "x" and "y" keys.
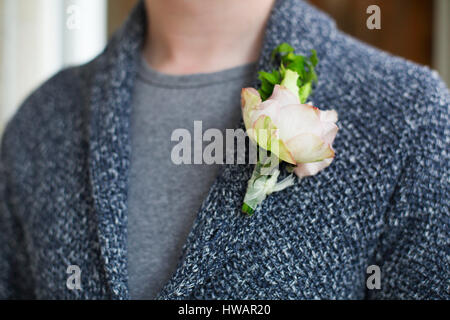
{"x": 204, "y": 36}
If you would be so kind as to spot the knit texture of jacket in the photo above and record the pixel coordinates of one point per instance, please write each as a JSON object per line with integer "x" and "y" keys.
{"x": 384, "y": 201}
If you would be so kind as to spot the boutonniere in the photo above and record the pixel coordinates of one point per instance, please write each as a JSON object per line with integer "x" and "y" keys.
{"x": 280, "y": 122}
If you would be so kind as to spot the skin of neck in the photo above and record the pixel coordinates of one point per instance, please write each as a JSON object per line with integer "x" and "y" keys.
{"x": 200, "y": 36}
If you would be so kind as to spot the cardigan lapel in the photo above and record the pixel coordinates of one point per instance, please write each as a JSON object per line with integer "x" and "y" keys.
{"x": 110, "y": 105}
{"x": 214, "y": 234}
{"x": 110, "y": 148}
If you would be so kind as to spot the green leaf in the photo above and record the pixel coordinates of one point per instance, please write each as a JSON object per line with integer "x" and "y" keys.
{"x": 296, "y": 64}
{"x": 304, "y": 92}
{"x": 268, "y": 81}
{"x": 273, "y": 78}
{"x": 303, "y": 66}
{"x": 311, "y": 75}
{"x": 314, "y": 60}
{"x": 282, "y": 48}
{"x": 288, "y": 58}
{"x": 290, "y": 81}
{"x": 282, "y": 71}
{"x": 266, "y": 86}
{"x": 263, "y": 94}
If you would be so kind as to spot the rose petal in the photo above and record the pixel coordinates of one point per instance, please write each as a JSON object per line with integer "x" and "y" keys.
{"x": 283, "y": 95}
{"x": 308, "y": 147}
{"x": 250, "y": 100}
{"x": 329, "y": 131}
{"x": 296, "y": 119}
{"x": 270, "y": 108}
{"x": 311, "y": 169}
{"x": 329, "y": 115}
{"x": 266, "y": 135}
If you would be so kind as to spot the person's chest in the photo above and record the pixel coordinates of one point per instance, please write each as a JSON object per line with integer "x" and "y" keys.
{"x": 170, "y": 171}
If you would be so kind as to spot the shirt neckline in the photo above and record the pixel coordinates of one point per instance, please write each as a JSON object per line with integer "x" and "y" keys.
{"x": 154, "y": 77}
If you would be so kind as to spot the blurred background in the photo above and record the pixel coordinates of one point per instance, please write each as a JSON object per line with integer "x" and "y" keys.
{"x": 40, "y": 37}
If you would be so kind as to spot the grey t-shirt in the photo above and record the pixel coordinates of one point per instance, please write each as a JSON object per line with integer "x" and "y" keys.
{"x": 163, "y": 197}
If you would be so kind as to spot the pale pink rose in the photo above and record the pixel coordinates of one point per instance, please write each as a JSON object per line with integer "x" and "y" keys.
{"x": 304, "y": 133}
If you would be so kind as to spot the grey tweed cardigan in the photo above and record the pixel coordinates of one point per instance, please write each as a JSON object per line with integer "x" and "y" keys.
{"x": 64, "y": 178}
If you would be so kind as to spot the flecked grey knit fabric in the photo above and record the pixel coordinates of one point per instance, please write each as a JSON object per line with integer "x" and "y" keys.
{"x": 384, "y": 200}
{"x": 164, "y": 197}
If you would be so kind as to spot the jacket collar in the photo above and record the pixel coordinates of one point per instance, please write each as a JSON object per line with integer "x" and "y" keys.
{"x": 292, "y": 21}
{"x": 111, "y": 90}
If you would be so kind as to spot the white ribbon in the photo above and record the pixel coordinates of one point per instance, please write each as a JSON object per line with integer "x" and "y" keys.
{"x": 259, "y": 186}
